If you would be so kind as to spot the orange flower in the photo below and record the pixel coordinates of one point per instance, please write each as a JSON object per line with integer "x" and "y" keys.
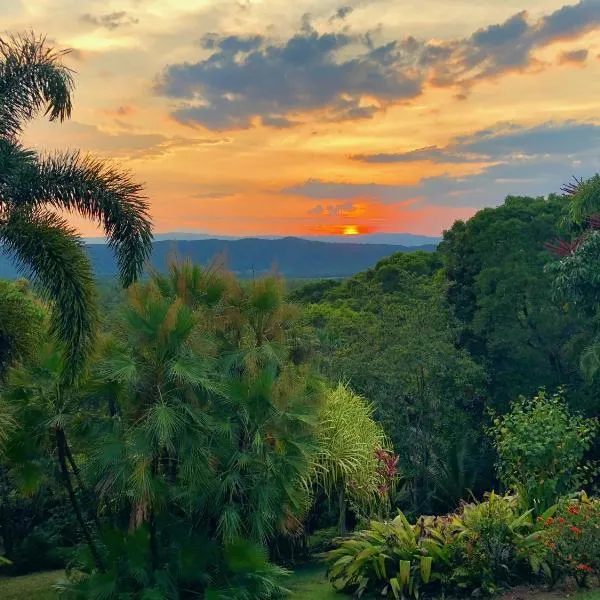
{"x": 574, "y": 510}
{"x": 560, "y": 520}
{"x": 550, "y": 521}
{"x": 585, "y": 568}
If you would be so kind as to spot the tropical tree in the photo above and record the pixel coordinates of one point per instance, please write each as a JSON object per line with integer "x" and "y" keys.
{"x": 200, "y": 436}
{"x": 36, "y": 189}
{"x": 350, "y": 441}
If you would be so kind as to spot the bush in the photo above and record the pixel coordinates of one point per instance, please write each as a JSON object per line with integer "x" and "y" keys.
{"x": 393, "y": 559}
{"x": 572, "y": 538}
{"x": 541, "y": 447}
{"x": 491, "y": 538}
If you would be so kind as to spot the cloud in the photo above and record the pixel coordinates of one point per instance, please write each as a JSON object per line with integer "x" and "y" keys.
{"x": 513, "y": 160}
{"x": 212, "y": 195}
{"x": 487, "y": 187}
{"x": 340, "y": 210}
{"x": 341, "y": 14}
{"x": 129, "y": 144}
{"x": 574, "y": 57}
{"x": 124, "y": 110}
{"x": 505, "y": 141}
{"x": 429, "y": 153}
{"x": 348, "y": 76}
{"x": 110, "y": 21}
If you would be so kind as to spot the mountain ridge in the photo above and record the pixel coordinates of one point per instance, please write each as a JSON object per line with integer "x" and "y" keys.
{"x": 289, "y": 256}
{"x": 396, "y": 239}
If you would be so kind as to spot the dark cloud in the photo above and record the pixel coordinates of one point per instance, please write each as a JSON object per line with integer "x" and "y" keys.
{"x": 341, "y": 13}
{"x": 503, "y": 142}
{"x": 430, "y": 153}
{"x": 348, "y": 76}
{"x": 110, "y": 21}
{"x": 576, "y": 57}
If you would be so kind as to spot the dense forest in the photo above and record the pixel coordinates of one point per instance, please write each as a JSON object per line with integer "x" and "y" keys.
{"x": 427, "y": 427}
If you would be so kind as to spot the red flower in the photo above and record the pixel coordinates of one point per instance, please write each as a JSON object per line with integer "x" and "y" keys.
{"x": 585, "y": 568}
{"x": 574, "y": 510}
{"x": 576, "y": 530}
{"x": 560, "y": 520}
{"x": 550, "y": 521}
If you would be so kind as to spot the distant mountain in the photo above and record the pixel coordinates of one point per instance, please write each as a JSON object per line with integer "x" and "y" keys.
{"x": 292, "y": 257}
{"x": 396, "y": 239}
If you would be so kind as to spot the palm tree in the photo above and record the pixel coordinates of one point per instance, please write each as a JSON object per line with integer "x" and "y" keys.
{"x": 35, "y": 189}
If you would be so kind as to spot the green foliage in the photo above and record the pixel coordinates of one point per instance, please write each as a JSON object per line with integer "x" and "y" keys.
{"x": 390, "y": 333}
{"x": 21, "y": 323}
{"x": 512, "y": 322}
{"x": 32, "y": 80}
{"x": 393, "y": 559}
{"x": 541, "y": 447}
{"x": 572, "y": 538}
{"x": 196, "y": 430}
{"x": 348, "y": 438}
{"x": 490, "y": 538}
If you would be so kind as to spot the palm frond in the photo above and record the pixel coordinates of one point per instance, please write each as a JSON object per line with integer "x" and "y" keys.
{"x": 52, "y": 254}
{"x": 32, "y": 79}
{"x": 101, "y": 192}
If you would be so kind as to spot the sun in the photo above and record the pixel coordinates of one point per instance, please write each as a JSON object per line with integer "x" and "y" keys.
{"x": 350, "y": 230}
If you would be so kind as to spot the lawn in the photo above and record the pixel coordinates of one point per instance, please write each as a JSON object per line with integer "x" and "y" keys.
{"x": 306, "y": 584}
{"x": 310, "y": 583}
{"x": 37, "y": 586}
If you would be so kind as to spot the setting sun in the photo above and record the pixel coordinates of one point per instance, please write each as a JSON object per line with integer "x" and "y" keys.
{"x": 350, "y": 230}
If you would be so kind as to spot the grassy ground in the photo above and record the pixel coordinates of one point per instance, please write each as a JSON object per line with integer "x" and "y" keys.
{"x": 310, "y": 584}
{"x": 37, "y": 586}
{"x": 306, "y": 584}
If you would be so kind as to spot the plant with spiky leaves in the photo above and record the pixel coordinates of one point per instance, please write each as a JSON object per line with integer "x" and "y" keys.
{"x": 33, "y": 186}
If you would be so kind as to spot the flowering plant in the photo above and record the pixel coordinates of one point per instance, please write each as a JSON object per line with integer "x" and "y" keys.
{"x": 572, "y": 538}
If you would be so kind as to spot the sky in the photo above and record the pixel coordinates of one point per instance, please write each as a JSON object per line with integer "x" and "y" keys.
{"x": 314, "y": 117}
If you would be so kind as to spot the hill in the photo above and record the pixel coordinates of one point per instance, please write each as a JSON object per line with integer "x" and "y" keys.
{"x": 292, "y": 257}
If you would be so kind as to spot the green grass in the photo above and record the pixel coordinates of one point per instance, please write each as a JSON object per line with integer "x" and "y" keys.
{"x": 37, "y": 586}
{"x": 306, "y": 584}
{"x": 310, "y": 583}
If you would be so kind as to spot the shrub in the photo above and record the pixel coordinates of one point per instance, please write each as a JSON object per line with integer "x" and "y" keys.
{"x": 393, "y": 559}
{"x": 541, "y": 447}
{"x": 490, "y": 538}
{"x": 572, "y": 538}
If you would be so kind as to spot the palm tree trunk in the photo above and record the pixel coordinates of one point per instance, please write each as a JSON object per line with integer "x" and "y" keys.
{"x": 61, "y": 444}
{"x": 80, "y": 483}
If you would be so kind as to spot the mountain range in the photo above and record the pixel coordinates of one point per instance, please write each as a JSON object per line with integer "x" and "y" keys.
{"x": 291, "y": 257}
{"x": 396, "y": 239}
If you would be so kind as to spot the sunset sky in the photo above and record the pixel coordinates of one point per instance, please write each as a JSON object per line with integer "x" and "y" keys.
{"x": 319, "y": 116}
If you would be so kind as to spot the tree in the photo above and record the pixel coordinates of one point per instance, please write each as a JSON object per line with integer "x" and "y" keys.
{"x": 577, "y": 273}
{"x": 199, "y": 436}
{"x": 499, "y": 289}
{"x": 541, "y": 447}
{"x": 349, "y": 440}
{"x": 34, "y": 186}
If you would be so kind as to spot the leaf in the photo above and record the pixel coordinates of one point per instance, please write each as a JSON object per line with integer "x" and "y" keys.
{"x": 404, "y": 573}
{"x": 396, "y": 588}
{"x": 426, "y": 563}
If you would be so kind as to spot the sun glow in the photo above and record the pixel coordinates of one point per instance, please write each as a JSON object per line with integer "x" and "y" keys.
{"x": 350, "y": 230}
